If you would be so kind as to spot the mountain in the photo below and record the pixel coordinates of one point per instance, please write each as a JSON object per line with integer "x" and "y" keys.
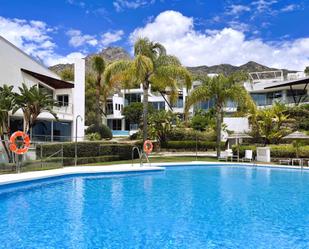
{"x": 228, "y": 69}
{"x": 111, "y": 54}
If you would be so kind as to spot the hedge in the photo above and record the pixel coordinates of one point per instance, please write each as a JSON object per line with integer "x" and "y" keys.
{"x": 276, "y": 151}
{"x": 191, "y": 145}
{"x": 188, "y": 135}
{"x": 86, "y": 150}
{"x": 85, "y": 160}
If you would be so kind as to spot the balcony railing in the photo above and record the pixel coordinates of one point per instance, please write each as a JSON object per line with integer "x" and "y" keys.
{"x": 65, "y": 108}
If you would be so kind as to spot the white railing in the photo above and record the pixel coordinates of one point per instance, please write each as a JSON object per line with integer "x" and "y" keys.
{"x": 66, "y": 109}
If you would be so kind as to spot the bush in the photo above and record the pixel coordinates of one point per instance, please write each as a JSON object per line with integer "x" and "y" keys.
{"x": 68, "y": 161}
{"x": 276, "y": 151}
{"x": 86, "y": 150}
{"x": 182, "y": 134}
{"x": 191, "y": 145}
{"x": 103, "y": 130}
{"x": 94, "y": 136}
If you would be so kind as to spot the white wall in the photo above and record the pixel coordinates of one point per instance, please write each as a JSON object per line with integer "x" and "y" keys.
{"x": 237, "y": 125}
{"x": 12, "y": 60}
{"x": 79, "y": 99}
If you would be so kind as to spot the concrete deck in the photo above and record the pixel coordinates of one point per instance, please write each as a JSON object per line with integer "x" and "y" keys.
{"x": 36, "y": 175}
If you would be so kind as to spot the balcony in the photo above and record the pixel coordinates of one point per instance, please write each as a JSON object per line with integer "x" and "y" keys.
{"x": 63, "y": 108}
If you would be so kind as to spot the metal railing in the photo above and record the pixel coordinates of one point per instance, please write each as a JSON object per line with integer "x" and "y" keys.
{"x": 66, "y": 108}
{"x": 141, "y": 154}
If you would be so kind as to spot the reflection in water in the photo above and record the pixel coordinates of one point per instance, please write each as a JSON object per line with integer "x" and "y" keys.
{"x": 117, "y": 192}
{"x": 75, "y": 211}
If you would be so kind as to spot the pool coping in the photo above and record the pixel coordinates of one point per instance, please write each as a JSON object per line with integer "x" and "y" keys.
{"x": 123, "y": 168}
{"x": 7, "y": 179}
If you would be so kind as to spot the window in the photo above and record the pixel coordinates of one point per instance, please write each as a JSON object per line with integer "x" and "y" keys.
{"x": 63, "y": 100}
{"x": 114, "y": 124}
{"x": 132, "y": 97}
{"x": 179, "y": 103}
{"x": 109, "y": 108}
{"x": 158, "y": 105}
{"x": 62, "y": 131}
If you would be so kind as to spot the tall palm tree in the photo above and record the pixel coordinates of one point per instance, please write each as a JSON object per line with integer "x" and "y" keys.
{"x": 101, "y": 89}
{"x": 151, "y": 66}
{"x": 33, "y": 101}
{"x": 220, "y": 89}
{"x": 7, "y": 103}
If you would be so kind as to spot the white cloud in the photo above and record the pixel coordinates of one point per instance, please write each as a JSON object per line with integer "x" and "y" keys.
{"x": 264, "y": 5}
{"x": 58, "y": 59}
{"x": 176, "y": 32}
{"x": 131, "y": 4}
{"x": 33, "y": 37}
{"x": 111, "y": 37}
{"x": 290, "y": 7}
{"x": 30, "y": 36}
{"x": 77, "y": 39}
{"x": 237, "y": 9}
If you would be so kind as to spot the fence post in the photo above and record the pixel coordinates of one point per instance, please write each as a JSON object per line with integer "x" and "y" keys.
{"x": 62, "y": 155}
{"x": 41, "y": 155}
{"x": 195, "y": 146}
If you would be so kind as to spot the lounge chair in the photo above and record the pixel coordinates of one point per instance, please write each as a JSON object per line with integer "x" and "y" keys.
{"x": 225, "y": 155}
{"x": 285, "y": 161}
{"x": 248, "y": 156}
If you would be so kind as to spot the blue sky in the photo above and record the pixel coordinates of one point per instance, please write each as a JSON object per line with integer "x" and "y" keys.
{"x": 199, "y": 32}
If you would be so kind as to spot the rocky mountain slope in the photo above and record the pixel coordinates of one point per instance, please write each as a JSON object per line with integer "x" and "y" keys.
{"x": 111, "y": 54}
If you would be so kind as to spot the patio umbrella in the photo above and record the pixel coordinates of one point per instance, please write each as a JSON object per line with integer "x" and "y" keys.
{"x": 238, "y": 136}
{"x": 296, "y": 136}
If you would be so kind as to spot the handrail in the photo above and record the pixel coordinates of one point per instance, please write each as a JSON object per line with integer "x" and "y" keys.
{"x": 140, "y": 156}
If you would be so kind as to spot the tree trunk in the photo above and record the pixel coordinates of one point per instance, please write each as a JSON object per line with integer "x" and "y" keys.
{"x": 218, "y": 129}
{"x": 97, "y": 102}
{"x": 145, "y": 111}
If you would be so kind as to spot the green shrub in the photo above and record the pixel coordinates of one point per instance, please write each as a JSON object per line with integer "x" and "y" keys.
{"x": 103, "y": 130}
{"x": 191, "y": 145}
{"x": 182, "y": 134}
{"x": 86, "y": 149}
{"x": 93, "y": 136}
{"x": 276, "y": 151}
{"x": 69, "y": 161}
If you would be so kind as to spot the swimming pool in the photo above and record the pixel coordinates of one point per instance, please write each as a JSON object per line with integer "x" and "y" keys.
{"x": 182, "y": 207}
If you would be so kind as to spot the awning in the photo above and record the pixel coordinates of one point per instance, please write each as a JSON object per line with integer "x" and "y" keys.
{"x": 290, "y": 83}
{"x": 52, "y": 82}
{"x": 304, "y": 81}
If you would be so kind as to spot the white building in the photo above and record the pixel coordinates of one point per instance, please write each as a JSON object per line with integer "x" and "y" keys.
{"x": 269, "y": 87}
{"x": 16, "y": 67}
{"x": 115, "y": 104}
{"x": 264, "y": 87}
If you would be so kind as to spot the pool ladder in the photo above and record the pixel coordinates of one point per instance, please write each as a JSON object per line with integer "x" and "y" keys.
{"x": 141, "y": 154}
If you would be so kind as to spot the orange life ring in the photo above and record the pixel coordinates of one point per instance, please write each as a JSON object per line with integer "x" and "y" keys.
{"x": 148, "y": 147}
{"x": 26, "y": 145}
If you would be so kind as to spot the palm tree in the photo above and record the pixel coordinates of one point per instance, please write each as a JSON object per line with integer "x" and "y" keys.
{"x": 101, "y": 89}
{"x": 271, "y": 123}
{"x": 7, "y": 103}
{"x": 220, "y": 89}
{"x": 33, "y": 101}
{"x": 151, "y": 66}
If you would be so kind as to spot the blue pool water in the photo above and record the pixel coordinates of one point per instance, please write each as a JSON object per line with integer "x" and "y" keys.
{"x": 183, "y": 207}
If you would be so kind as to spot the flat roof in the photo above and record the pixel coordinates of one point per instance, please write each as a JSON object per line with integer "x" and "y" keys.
{"x": 52, "y": 82}
{"x": 289, "y": 83}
